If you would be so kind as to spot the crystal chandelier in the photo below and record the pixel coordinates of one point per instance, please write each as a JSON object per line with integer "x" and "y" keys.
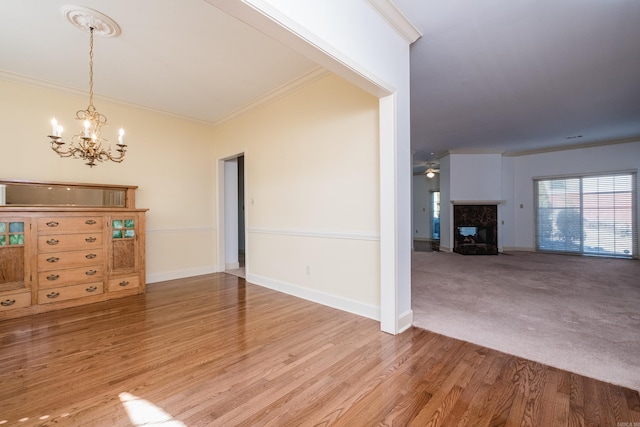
{"x": 89, "y": 144}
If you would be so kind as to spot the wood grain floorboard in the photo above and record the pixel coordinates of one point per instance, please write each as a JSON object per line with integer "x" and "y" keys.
{"x": 216, "y": 351}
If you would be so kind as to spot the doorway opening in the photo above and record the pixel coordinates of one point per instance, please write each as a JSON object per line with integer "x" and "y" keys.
{"x": 234, "y": 217}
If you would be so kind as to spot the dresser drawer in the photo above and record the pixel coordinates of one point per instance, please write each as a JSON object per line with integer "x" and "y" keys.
{"x": 58, "y": 260}
{"x": 71, "y": 224}
{"x": 67, "y": 242}
{"x": 46, "y": 296}
{"x": 115, "y": 285}
{"x": 70, "y": 276}
{"x": 13, "y": 301}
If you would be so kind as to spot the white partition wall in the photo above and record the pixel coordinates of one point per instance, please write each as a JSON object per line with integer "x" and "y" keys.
{"x": 354, "y": 41}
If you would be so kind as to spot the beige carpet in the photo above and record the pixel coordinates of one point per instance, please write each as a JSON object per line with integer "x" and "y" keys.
{"x": 580, "y": 314}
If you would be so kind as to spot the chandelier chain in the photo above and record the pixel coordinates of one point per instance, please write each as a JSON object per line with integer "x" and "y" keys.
{"x": 91, "y": 107}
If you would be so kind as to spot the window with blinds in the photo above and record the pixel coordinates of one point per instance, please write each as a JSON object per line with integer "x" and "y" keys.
{"x": 592, "y": 215}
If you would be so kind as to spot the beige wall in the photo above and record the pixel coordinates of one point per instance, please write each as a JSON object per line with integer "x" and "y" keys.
{"x": 168, "y": 158}
{"x": 311, "y": 169}
{"x": 311, "y": 191}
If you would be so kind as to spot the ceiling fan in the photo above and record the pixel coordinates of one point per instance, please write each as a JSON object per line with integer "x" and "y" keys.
{"x": 426, "y": 167}
{"x": 432, "y": 169}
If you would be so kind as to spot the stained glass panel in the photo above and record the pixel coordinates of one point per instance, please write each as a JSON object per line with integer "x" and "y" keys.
{"x": 16, "y": 239}
{"x": 16, "y": 227}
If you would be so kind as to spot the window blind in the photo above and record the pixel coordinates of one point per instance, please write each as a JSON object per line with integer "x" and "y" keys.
{"x": 593, "y": 215}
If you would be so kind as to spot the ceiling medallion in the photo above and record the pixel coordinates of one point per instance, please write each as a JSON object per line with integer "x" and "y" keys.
{"x": 86, "y": 19}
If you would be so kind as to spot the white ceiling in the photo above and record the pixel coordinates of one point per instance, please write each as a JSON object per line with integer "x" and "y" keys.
{"x": 513, "y": 75}
{"x": 183, "y": 57}
{"x": 498, "y": 75}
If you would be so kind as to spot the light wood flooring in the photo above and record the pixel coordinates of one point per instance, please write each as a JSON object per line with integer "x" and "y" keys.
{"x": 215, "y": 351}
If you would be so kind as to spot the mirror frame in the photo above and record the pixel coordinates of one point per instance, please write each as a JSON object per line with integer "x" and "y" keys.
{"x": 129, "y": 192}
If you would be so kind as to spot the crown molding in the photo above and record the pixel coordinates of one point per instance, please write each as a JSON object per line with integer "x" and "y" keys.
{"x": 470, "y": 151}
{"x": 397, "y": 19}
{"x": 289, "y": 87}
{"x": 58, "y": 87}
{"x": 573, "y": 146}
{"x": 308, "y": 78}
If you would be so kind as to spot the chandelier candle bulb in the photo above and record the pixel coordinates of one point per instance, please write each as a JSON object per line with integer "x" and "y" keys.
{"x": 121, "y": 137}
{"x": 54, "y": 127}
{"x": 59, "y": 130}
{"x": 86, "y": 128}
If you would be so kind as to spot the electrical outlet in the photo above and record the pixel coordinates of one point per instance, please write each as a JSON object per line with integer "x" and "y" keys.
{"x": 308, "y": 271}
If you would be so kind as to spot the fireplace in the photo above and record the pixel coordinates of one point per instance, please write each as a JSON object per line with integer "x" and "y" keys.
{"x": 475, "y": 229}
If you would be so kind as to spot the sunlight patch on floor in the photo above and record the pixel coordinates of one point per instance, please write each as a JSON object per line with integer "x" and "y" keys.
{"x": 144, "y": 413}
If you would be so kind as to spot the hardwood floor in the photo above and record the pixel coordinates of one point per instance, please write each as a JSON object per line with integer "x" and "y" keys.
{"x": 212, "y": 350}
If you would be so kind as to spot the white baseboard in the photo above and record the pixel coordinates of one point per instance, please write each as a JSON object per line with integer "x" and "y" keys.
{"x": 517, "y": 249}
{"x": 354, "y": 307}
{"x": 180, "y": 274}
{"x": 405, "y": 321}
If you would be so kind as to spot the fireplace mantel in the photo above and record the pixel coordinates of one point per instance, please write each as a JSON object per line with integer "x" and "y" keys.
{"x": 478, "y": 202}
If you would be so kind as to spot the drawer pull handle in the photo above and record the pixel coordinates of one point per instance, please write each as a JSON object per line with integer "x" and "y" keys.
{"x": 53, "y": 242}
{"x": 52, "y": 224}
{"x": 53, "y": 277}
{"x": 124, "y": 283}
{"x": 53, "y": 295}
{"x": 53, "y": 259}
{"x": 91, "y": 289}
{"x": 7, "y": 302}
{"x": 90, "y": 239}
{"x": 90, "y": 256}
{"x": 90, "y": 222}
{"x": 90, "y": 272}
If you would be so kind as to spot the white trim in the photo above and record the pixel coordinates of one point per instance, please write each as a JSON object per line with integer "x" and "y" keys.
{"x": 298, "y": 83}
{"x": 347, "y": 235}
{"x": 478, "y": 202}
{"x": 397, "y": 20}
{"x": 389, "y": 236}
{"x": 292, "y": 34}
{"x": 572, "y": 147}
{"x": 584, "y": 175}
{"x": 350, "y": 306}
{"x": 180, "y": 230}
{"x": 517, "y": 249}
{"x": 180, "y": 274}
{"x": 405, "y": 321}
{"x": 471, "y": 151}
{"x": 310, "y": 77}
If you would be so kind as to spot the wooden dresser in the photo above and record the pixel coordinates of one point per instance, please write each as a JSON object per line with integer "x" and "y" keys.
{"x": 56, "y": 257}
